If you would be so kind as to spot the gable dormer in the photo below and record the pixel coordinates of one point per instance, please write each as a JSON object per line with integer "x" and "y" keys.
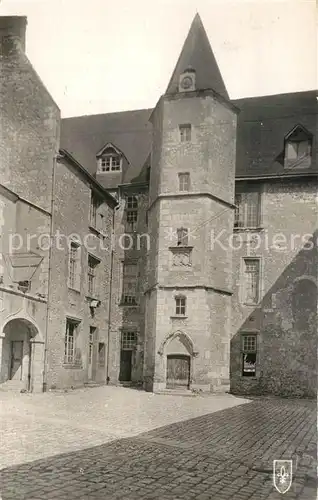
{"x": 109, "y": 159}
{"x": 298, "y": 148}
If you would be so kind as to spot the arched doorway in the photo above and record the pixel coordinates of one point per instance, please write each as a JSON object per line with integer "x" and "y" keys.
{"x": 177, "y": 354}
{"x": 18, "y": 348}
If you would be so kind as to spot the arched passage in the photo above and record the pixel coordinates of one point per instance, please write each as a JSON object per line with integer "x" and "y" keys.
{"x": 19, "y": 340}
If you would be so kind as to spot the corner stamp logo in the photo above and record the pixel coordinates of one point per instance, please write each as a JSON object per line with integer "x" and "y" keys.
{"x": 282, "y": 475}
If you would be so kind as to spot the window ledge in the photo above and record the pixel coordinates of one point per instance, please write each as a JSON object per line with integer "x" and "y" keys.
{"x": 73, "y": 366}
{"x": 92, "y": 297}
{"x": 74, "y": 290}
{"x": 96, "y": 231}
{"x": 248, "y": 229}
{"x": 257, "y": 305}
{"x": 179, "y": 316}
{"x": 128, "y": 305}
{"x": 181, "y": 248}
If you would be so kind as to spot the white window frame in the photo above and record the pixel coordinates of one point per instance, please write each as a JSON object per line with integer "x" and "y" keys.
{"x": 74, "y": 266}
{"x": 128, "y": 340}
{"x": 184, "y": 181}
{"x": 180, "y": 305}
{"x": 129, "y": 294}
{"x": 70, "y": 339}
{"x": 244, "y": 274}
{"x": 108, "y": 163}
{"x": 244, "y": 205}
{"x": 249, "y": 347}
{"x": 92, "y": 264}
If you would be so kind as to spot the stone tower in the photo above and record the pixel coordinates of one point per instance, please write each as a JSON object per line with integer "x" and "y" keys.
{"x": 190, "y": 222}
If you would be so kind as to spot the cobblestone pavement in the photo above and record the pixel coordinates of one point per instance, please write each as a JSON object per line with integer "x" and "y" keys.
{"x": 223, "y": 455}
{"x": 35, "y": 426}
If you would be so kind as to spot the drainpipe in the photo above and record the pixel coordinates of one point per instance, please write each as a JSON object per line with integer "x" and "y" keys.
{"x": 44, "y": 387}
{"x": 110, "y": 294}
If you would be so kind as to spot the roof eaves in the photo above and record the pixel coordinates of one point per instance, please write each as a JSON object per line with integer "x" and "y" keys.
{"x": 75, "y": 163}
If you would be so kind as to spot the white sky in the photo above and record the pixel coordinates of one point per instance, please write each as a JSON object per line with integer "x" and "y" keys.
{"x": 98, "y": 56}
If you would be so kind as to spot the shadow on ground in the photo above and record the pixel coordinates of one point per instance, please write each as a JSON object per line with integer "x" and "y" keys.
{"x": 219, "y": 456}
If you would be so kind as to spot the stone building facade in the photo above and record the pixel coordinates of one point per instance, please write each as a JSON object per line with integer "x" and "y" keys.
{"x": 191, "y": 255}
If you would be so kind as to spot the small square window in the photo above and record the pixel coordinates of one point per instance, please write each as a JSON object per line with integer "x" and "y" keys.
{"x": 185, "y": 133}
{"x": 180, "y": 306}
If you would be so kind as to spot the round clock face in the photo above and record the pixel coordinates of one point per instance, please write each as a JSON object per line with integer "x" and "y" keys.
{"x": 186, "y": 82}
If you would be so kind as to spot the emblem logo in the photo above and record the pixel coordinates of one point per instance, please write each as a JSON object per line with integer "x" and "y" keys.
{"x": 282, "y": 475}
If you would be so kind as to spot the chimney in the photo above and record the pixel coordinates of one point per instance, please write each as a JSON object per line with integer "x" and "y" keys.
{"x": 12, "y": 34}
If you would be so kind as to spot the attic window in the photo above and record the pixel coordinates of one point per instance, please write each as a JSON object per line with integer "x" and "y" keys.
{"x": 298, "y": 146}
{"x": 110, "y": 162}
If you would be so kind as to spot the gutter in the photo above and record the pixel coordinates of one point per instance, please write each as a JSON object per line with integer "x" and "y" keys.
{"x": 110, "y": 295}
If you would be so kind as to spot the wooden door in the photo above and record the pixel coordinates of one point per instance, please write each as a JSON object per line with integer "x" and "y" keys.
{"x": 178, "y": 371}
{"x": 125, "y": 365}
{"x": 16, "y": 360}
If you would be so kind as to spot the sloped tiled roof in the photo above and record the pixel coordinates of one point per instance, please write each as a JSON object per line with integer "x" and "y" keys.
{"x": 197, "y": 54}
{"x": 263, "y": 124}
{"x": 84, "y": 136}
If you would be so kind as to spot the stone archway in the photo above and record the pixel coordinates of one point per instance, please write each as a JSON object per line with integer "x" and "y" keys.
{"x": 177, "y": 354}
{"x": 21, "y": 354}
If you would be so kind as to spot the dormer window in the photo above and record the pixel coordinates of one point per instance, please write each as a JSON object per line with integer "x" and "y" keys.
{"x": 109, "y": 159}
{"x": 110, "y": 163}
{"x": 298, "y": 146}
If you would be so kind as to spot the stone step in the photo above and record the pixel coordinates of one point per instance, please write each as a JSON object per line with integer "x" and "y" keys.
{"x": 176, "y": 392}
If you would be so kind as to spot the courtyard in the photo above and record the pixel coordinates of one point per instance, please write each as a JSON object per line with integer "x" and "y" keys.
{"x": 119, "y": 443}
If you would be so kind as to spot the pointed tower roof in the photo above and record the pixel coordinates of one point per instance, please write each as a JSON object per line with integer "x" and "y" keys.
{"x": 197, "y": 54}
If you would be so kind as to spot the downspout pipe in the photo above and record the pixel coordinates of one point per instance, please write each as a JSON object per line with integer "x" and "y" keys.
{"x": 110, "y": 293}
{"x": 55, "y": 159}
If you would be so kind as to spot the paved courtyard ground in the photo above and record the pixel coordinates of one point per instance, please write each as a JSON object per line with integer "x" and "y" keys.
{"x": 115, "y": 443}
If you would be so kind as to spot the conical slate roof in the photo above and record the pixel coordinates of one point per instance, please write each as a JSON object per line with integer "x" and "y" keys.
{"x": 197, "y": 54}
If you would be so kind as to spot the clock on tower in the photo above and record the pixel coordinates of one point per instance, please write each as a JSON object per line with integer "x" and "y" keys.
{"x": 187, "y": 80}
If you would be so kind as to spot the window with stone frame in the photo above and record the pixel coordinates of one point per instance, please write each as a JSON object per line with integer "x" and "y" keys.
{"x": 251, "y": 282}
{"x": 71, "y": 333}
{"x": 248, "y": 207}
{"x": 180, "y": 305}
{"x": 129, "y": 295}
{"x": 91, "y": 340}
{"x": 298, "y": 148}
{"x": 249, "y": 354}
{"x": 74, "y": 266}
{"x": 94, "y": 205}
{"x": 182, "y": 237}
{"x": 128, "y": 340}
{"x": 91, "y": 275}
{"x": 184, "y": 181}
{"x": 185, "y": 132}
{"x": 131, "y": 213}
{"x": 101, "y": 354}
